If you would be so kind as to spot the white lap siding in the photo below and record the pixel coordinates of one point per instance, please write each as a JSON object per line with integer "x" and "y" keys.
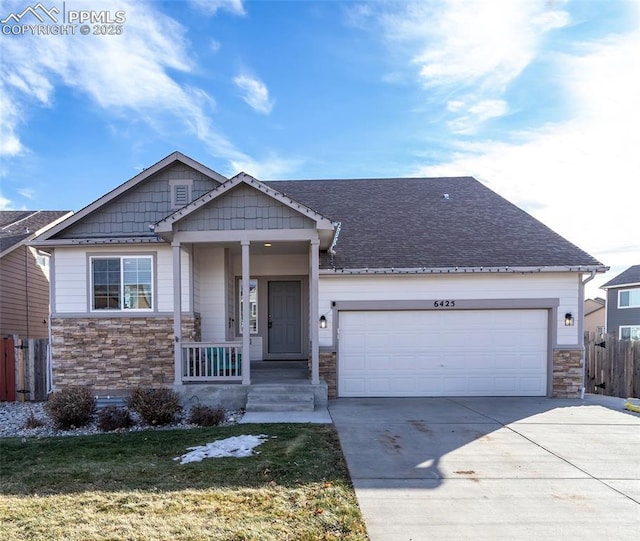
{"x": 72, "y": 280}
{"x": 561, "y": 286}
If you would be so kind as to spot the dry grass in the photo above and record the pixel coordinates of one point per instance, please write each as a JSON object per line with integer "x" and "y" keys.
{"x": 127, "y": 486}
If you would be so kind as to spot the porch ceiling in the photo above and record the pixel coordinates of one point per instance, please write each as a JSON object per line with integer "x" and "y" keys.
{"x": 276, "y": 248}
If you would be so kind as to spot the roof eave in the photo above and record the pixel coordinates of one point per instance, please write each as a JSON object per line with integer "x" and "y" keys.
{"x": 618, "y": 286}
{"x": 61, "y": 243}
{"x": 466, "y": 270}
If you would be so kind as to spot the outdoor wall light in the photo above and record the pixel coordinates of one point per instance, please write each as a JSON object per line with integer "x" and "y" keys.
{"x": 568, "y": 319}
{"x": 323, "y": 322}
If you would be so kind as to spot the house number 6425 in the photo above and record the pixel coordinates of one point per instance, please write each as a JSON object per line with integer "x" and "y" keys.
{"x": 444, "y": 304}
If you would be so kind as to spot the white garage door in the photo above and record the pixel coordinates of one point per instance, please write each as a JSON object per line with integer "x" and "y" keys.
{"x": 448, "y": 353}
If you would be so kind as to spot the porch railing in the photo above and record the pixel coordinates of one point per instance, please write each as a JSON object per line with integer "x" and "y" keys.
{"x": 204, "y": 361}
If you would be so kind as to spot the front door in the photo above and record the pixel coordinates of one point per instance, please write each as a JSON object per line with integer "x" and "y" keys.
{"x": 285, "y": 318}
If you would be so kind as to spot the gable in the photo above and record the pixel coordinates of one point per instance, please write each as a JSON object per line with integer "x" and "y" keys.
{"x": 146, "y": 203}
{"x": 244, "y": 208}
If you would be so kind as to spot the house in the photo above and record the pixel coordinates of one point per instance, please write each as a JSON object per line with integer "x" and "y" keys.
{"x": 24, "y": 272}
{"x": 594, "y": 315}
{"x": 388, "y": 287}
{"x": 623, "y": 304}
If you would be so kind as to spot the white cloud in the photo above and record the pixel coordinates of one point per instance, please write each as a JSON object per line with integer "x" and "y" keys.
{"x": 580, "y": 177}
{"x": 120, "y": 73}
{"x": 27, "y": 193}
{"x": 211, "y": 7}
{"x": 271, "y": 168}
{"x": 475, "y": 48}
{"x": 5, "y": 204}
{"x": 475, "y": 114}
{"x": 126, "y": 76}
{"x": 255, "y": 93}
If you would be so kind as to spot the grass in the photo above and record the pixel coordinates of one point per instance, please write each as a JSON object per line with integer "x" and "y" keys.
{"x": 127, "y": 486}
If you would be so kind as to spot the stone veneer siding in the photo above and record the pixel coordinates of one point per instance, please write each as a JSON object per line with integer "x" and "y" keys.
{"x": 118, "y": 353}
{"x": 328, "y": 372}
{"x": 568, "y": 370}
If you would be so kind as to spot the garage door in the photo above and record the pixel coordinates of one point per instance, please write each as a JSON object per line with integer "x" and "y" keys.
{"x": 452, "y": 353}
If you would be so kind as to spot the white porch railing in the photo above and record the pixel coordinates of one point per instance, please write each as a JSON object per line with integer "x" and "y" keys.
{"x": 204, "y": 361}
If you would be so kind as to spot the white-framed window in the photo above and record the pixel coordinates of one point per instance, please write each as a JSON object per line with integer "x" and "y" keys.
{"x": 253, "y": 305}
{"x": 629, "y": 298}
{"x": 122, "y": 283}
{"x": 629, "y": 332}
{"x": 181, "y": 192}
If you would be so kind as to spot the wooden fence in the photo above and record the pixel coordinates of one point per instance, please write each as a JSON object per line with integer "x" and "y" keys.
{"x": 612, "y": 365}
{"x": 23, "y": 369}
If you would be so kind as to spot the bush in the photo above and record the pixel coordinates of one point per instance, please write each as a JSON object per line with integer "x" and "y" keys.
{"x": 155, "y": 406}
{"x": 114, "y": 418}
{"x": 207, "y": 416}
{"x": 71, "y": 408}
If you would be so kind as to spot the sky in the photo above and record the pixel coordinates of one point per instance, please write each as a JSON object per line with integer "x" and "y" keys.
{"x": 537, "y": 99}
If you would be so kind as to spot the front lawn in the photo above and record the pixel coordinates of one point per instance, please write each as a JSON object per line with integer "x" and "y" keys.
{"x": 127, "y": 486}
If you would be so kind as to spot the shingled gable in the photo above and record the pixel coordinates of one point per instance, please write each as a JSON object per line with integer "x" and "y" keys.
{"x": 453, "y": 224}
{"x": 165, "y": 227}
{"x": 146, "y": 174}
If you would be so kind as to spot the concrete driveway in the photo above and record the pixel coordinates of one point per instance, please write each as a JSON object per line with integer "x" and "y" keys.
{"x": 493, "y": 468}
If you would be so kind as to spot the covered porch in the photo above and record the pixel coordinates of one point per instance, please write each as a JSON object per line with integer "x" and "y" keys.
{"x": 245, "y": 257}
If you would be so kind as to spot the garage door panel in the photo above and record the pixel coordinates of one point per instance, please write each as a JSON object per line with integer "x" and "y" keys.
{"x": 432, "y": 353}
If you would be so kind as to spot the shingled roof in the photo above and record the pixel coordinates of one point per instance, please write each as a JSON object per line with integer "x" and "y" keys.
{"x": 630, "y": 276}
{"x": 431, "y": 223}
{"x": 18, "y": 225}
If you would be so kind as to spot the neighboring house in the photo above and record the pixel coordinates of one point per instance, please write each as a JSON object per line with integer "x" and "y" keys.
{"x": 389, "y": 287}
{"x": 623, "y": 304}
{"x": 24, "y": 272}
{"x": 594, "y": 315}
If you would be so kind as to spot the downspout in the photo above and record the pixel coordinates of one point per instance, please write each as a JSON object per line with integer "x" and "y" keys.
{"x": 581, "y": 328}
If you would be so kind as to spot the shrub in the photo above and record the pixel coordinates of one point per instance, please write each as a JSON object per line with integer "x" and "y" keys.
{"x": 207, "y": 416}
{"x": 114, "y": 418}
{"x": 71, "y": 408}
{"x": 155, "y": 406}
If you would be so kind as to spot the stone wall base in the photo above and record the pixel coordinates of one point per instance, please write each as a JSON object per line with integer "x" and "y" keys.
{"x": 568, "y": 371}
{"x": 329, "y": 372}
{"x": 116, "y": 354}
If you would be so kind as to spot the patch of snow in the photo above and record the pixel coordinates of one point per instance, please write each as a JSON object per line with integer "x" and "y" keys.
{"x": 235, "y": 446}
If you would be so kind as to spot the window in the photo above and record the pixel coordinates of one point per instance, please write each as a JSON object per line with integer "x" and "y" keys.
{"x": 122, "y": 283}
{"x": 630, "y": 332}
{"x": 629, "y": 298}
{"x": 253, "y": 305}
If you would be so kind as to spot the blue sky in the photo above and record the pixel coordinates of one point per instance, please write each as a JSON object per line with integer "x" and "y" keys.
{"x": 538, "y": 99}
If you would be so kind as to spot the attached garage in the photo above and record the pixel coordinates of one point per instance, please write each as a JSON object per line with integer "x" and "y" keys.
{"x": 443, "y": 353}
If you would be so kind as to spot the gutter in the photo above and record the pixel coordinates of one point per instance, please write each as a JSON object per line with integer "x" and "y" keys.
{"x": 593, "y": 269}
{"x": 589, "y": 278}
{"x": 581, "y": 329}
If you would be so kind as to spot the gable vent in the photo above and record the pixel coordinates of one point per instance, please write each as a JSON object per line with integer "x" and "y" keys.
{"x": 181, "y": 196}
{"x": 180, "y": 193}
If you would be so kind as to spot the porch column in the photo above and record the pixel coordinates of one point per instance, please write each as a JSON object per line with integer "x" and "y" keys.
{"x": 177, "y": 313}
{"x": 246, "y": 312}
{"x": 314, "y": 263}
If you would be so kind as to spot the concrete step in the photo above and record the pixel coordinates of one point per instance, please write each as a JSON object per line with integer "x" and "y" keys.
{"x": 278, "y": 398}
